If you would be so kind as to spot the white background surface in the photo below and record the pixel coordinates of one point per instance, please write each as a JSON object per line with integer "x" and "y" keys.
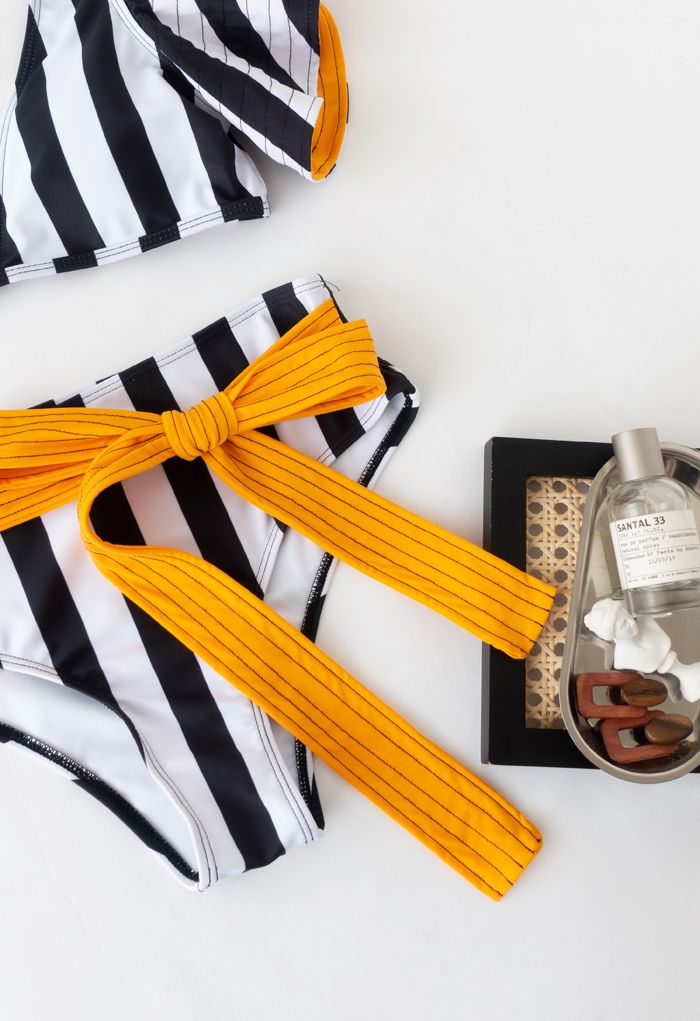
{"x": 516, "y": 213}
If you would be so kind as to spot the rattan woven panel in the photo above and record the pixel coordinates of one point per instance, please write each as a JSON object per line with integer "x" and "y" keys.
{"x": 554, "y": 515}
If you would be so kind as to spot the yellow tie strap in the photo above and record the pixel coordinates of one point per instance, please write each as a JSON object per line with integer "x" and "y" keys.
{"x": 54, "y": 455}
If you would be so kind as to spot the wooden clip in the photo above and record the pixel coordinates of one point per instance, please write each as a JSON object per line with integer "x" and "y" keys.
{"x": 585, "y": 683}
{"x": 610, "y": 731}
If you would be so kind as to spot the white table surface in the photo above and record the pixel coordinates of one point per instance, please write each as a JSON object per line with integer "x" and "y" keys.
{"x": 517, "y": 214}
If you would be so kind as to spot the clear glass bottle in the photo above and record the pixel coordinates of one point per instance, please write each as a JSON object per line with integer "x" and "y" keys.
{"x": 654, "y": 529}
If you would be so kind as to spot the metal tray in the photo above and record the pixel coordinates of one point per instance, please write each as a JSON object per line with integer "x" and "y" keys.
{"x": 596, "y": 576}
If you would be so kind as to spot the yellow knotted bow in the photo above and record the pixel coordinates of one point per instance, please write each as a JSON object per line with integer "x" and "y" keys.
{"x": 201, "y": 429}
{"x": 51, "y": 456}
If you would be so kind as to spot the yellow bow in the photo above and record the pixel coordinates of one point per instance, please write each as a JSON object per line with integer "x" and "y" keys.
{"x": 51, "y": 456}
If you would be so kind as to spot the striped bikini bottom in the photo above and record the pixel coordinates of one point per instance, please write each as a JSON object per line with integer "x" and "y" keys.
{"x": 203, "y": 752}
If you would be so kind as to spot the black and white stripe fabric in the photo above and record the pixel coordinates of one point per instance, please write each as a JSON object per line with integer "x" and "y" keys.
{"x": 123, "y": 130}
{"x": 99, "y": 689}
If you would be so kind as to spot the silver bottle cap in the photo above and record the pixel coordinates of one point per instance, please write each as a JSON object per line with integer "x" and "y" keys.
{"x": 638, "y": 454}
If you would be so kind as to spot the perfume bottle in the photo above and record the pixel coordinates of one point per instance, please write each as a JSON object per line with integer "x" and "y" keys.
{"x": 654, "y": 529}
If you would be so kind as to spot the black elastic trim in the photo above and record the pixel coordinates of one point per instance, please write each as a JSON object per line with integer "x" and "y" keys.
{"x": 105, "y": 794}
{"x": 159, "y": 237}
{"x": 304, "y": 782}
{"x": 66, "y": 263}
{"x": 395, "y": 433}
{"x": 243, "y": 209}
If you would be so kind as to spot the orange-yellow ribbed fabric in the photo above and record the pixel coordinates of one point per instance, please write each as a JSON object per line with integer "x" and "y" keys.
{"x": 329, "y": 130}
{"x": 51, "y": 456}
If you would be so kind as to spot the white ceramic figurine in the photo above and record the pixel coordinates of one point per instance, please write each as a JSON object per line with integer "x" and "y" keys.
{"x": 641, "y": 644}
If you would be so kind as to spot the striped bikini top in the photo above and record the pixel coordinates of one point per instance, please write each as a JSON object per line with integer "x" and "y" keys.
{"x": 125, "y": 128}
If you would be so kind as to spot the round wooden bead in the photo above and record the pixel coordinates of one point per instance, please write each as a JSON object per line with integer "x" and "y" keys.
{"x": 644, "y": 691}
{"x": 668, "y": 729}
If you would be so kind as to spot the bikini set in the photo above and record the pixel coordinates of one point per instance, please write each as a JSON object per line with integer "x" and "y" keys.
{"x": 169, "y": 533}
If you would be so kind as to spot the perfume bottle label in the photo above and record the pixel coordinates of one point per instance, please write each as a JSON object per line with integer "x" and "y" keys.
{"x": 655, "y": 549}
